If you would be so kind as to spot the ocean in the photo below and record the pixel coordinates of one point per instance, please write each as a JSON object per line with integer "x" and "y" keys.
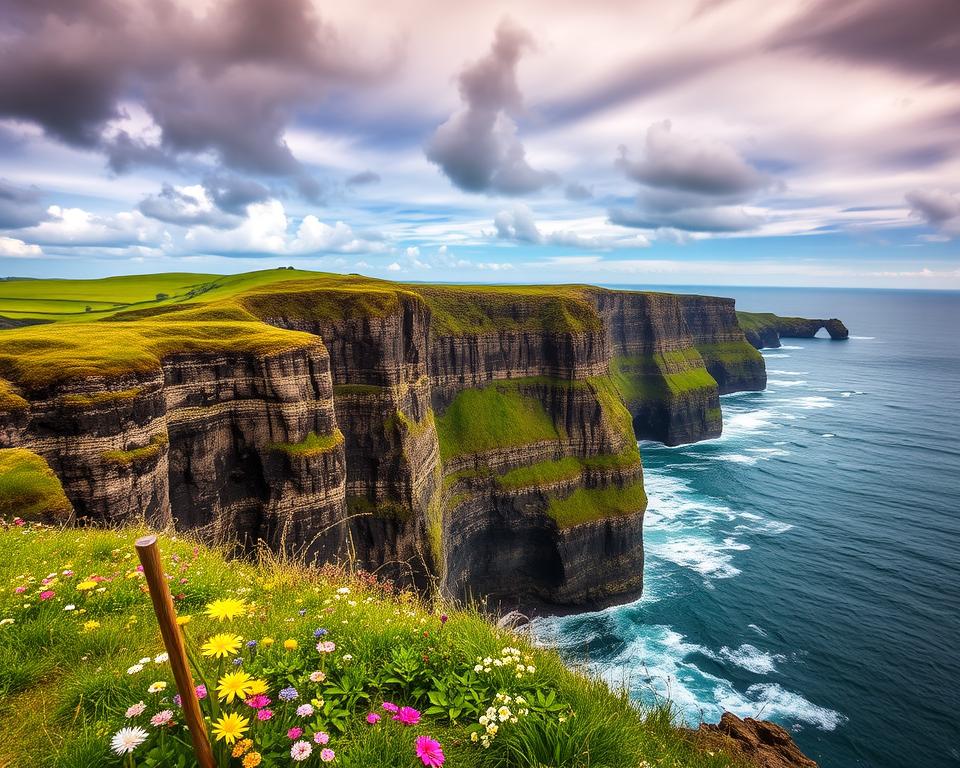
{"x": 805, "y": 567}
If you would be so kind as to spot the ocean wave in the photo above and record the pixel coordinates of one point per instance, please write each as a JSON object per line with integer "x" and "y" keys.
{"x": 752, "y": 659}
{"x": 789, "y": 346}
{"x": 710, "y": 559}
{"x": 786, "y": 382}
{"x": 813, "y": 402}
{"x": 862, "y": 338}
{"x": 779, "y": 372}
{"x": 828, "y": 434}
{"x": 770, "y": 701}
{"x": 739, "y": 424}
{"x": 775, "y": 354}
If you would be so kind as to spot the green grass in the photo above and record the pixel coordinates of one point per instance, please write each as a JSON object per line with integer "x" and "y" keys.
{"x": 28, "y": 487}
{"x": 586, "y": 505}
{"x": 557, "y": 470}
{"x": 497, "y": 416}
{"x": 64, "y": 684}
{"x": 312, "y": 445}
{"x": 10, "y": 399}
{"x": 137, "y": 456}
{"x": 661, "y": 376}
{"x": 730, "y": 353}
{"x": 38, "y": 356}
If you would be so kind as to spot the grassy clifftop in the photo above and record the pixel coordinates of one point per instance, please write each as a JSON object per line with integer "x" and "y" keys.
{"x": 79, "y": 646}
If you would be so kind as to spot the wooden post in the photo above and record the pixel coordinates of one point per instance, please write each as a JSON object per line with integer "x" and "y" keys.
{"x": 149, "y": 554}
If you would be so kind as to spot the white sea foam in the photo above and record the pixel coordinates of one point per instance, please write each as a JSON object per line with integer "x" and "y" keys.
{"x": 863, "y": 338}
{"x": 736, "y": 458}
{"x": 779, "y": 372}
{"x": 850, "y": 394}
{"x": 828, "y": 434}
{"x": 790, "y": 346}
{"x": 752, "y": 659}
{"x": 786, "y": 382}
{"x": 709, "y": 559}
{"x": 736, "y": 425}
{"x": 771, "y": 701}
{"x": 813, "y": 402}
{"x": 759, "y": 630}
{"x": 775, "y": 354}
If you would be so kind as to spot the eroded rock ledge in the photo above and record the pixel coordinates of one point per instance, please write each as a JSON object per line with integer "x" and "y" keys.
{"x": 764, "y": 330}
{"x": 758, "y": 742}
{"x": 479, "y": 439}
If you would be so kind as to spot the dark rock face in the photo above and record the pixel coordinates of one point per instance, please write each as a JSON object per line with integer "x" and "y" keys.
{"x": 757, "y": 742}
{"x": 331, "y": 449}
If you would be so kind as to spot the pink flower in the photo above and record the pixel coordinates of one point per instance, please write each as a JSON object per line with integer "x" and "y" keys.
{"x": 161, "y": 718}
{"x": 390, "y": 707}
{"x": 258, "y": 701}
{"x": 443, "y": 618}
{"x": 47, "y": 594}
{"x": 201, "y": 691}
{"x": 321, "y": 737}
{"x": 327, "y": 755}
{"x": 294, "y": 733}
{"x": 19, "y": 590}
{"x": 373, "y": 718}
{"x": 326, "y": 646}
{"x": 300, "y": 750}
{"x": 264, "y": 714}
{"x": 407, "y": 716}
{"x": 429, "y": 751}
{"x": 136, "y": 710}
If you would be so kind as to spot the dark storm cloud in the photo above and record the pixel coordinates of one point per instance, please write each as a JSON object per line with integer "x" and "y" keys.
{"x": 689, "y": 184}
{"x": 176, "y": 206}
{"x": 228, "y": 81}
{"x": 20, "y": 206}
{"x": 922, "y": 36}
{"x": 577, "y": 192}
{"x": 364, "y": 177}
{"x": 477, "y": 148}
{"x": 233, "y": 193}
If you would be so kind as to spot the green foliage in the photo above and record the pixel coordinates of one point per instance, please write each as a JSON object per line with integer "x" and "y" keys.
{"x": 139, "y": 455}
{"x": 497, "y": 416}
{"x": 10, "y": 399}
{"x": 666, "y": 376}
{"x": 312, "y": 445}
{"x": 28, "y": 487}
{"x": 730, "y": 353}
{"x": 587, "y": 505}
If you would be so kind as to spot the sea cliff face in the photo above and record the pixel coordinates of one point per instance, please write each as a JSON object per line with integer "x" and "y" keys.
{"x": 481, "y": 440}
{"x": 764, "y": 329}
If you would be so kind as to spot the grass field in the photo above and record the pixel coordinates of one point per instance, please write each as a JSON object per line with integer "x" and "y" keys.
{"x": 79, "y": 646}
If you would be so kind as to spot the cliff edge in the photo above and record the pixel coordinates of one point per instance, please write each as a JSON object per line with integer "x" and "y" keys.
{"x": 764, "y": 330}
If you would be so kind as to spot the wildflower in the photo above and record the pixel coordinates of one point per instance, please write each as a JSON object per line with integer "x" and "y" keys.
{"x": 290, "y": 644}
{"x": 251, "y": 644}
{"x": 144, "y": 660}
{"x": 317, "y": 677}
{"x": 221, "y": 646}
{"x": 304, "y": 710}
{"x": 347, "y": 657}
{"x": 443, "y": 618}
{"x": 241, "y": 747}
{"x": 429, "y": 751}
{"x": 325, "y": 646}
{"x": 252, "y": 760}
{"x": 86, "y": 585}
{"x": 226, "y": 609}
{"x": 302, "y": 612}
{"x": 19, "y": 590}
{"x": 407, "y": 716}
{"x": 161, "y": 658}
{"x": 300, "y": 750}
{"x": 390, "y": 707}
{"x": 288, "y": 694}
{"x": 5, "y": 622}
{"x": 157, "y": 687}
{"x": 234, "y": 685}
{"x": 343, "y": 591}
{"x": 70, "y": 607}
{"x": 258, "y": 701}
{"x": 126, "y": 740}
{"x": 135, "y": 710}
{"x": 230, "y": 728}
{"x": 373, "y": 718}
{"x": 258, "y": 686}
{"x": 201, "y": 691}
{"x": 474, "y": 736}
{"x": 89, "y": 626}
{"x": 161, "y": 718}
{"x": 183, "y": 620}
{"x": 321, "y": 737}
{"x": 294, "y": 733}
{"x": 47, "y": 594}
{"x": 134, "y": 669}
{"x": 318, "y": 633}
{"x": 266, "y": 642}
{"x": 264, "y": 714}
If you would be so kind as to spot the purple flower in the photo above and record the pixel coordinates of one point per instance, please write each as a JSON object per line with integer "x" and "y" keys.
{"x": 302, "y": 611}
{"x": 238, "y": 661}
{"x": 318, "y": 633}
{"x": 201, "y": 691}
{"x": 288, "y": 694}
{"x": 251, "y": 644}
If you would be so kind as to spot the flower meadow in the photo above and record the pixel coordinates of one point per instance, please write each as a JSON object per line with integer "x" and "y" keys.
{"x": 293, "y": 667}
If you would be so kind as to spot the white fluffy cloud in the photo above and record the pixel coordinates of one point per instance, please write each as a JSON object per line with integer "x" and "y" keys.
{"x": 12, "y": 248}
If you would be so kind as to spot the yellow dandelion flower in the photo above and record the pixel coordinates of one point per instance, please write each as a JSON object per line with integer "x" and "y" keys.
{"x": 234, "y": 685}
{"x": 257, "y": 686}
{"x": 157, "y": 687}
{"x": 230, "y": 728}
{"x": 252, "y": 760}
{"x": 290, "y": 644}
{"x": 86, "y": 586}
{"x": 183, "y": 620}
{"x": 266, "y": 642}
{"x": 221, "y": 646}
{"x": 89, "y": 626}
{"x": 226, "y": 609}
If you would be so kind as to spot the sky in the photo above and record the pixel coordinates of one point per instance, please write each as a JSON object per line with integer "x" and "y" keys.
{"x": 691, "y": 142}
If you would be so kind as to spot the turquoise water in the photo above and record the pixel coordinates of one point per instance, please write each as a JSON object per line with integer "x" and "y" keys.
{"x": 805, "y": 567}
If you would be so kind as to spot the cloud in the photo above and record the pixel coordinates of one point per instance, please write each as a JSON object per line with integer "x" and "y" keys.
{"x": 78, "y": 227}
{"x": 394, "y": 267}
{"x": 233, "y": 194}
{"x": 937, "y": 207}
{"x": 518, "y": 224}
{"x": 266, "y": 231}
{"x": 227, "y": 81}
{"x": 186, "y": 206}
{"x": 364, "y": 177}
{"x": 477, "y": 148}
{"x": 920, "y": 38}
{"x": 577, "y": 192}
{"x": 689, "y": 184}
{"x": 12, "y": 248}
{"x": 20, "y": 206}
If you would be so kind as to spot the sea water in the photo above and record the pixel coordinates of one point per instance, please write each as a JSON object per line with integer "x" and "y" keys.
{"x": 805, "y": 567}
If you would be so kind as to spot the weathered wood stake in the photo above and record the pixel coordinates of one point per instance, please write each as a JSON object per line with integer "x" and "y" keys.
{"x": 149, "y": 554}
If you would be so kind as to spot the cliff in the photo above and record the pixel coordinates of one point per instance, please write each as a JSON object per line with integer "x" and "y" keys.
{"x": 764, "y": 329}
{"x": 482, "y": 440}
